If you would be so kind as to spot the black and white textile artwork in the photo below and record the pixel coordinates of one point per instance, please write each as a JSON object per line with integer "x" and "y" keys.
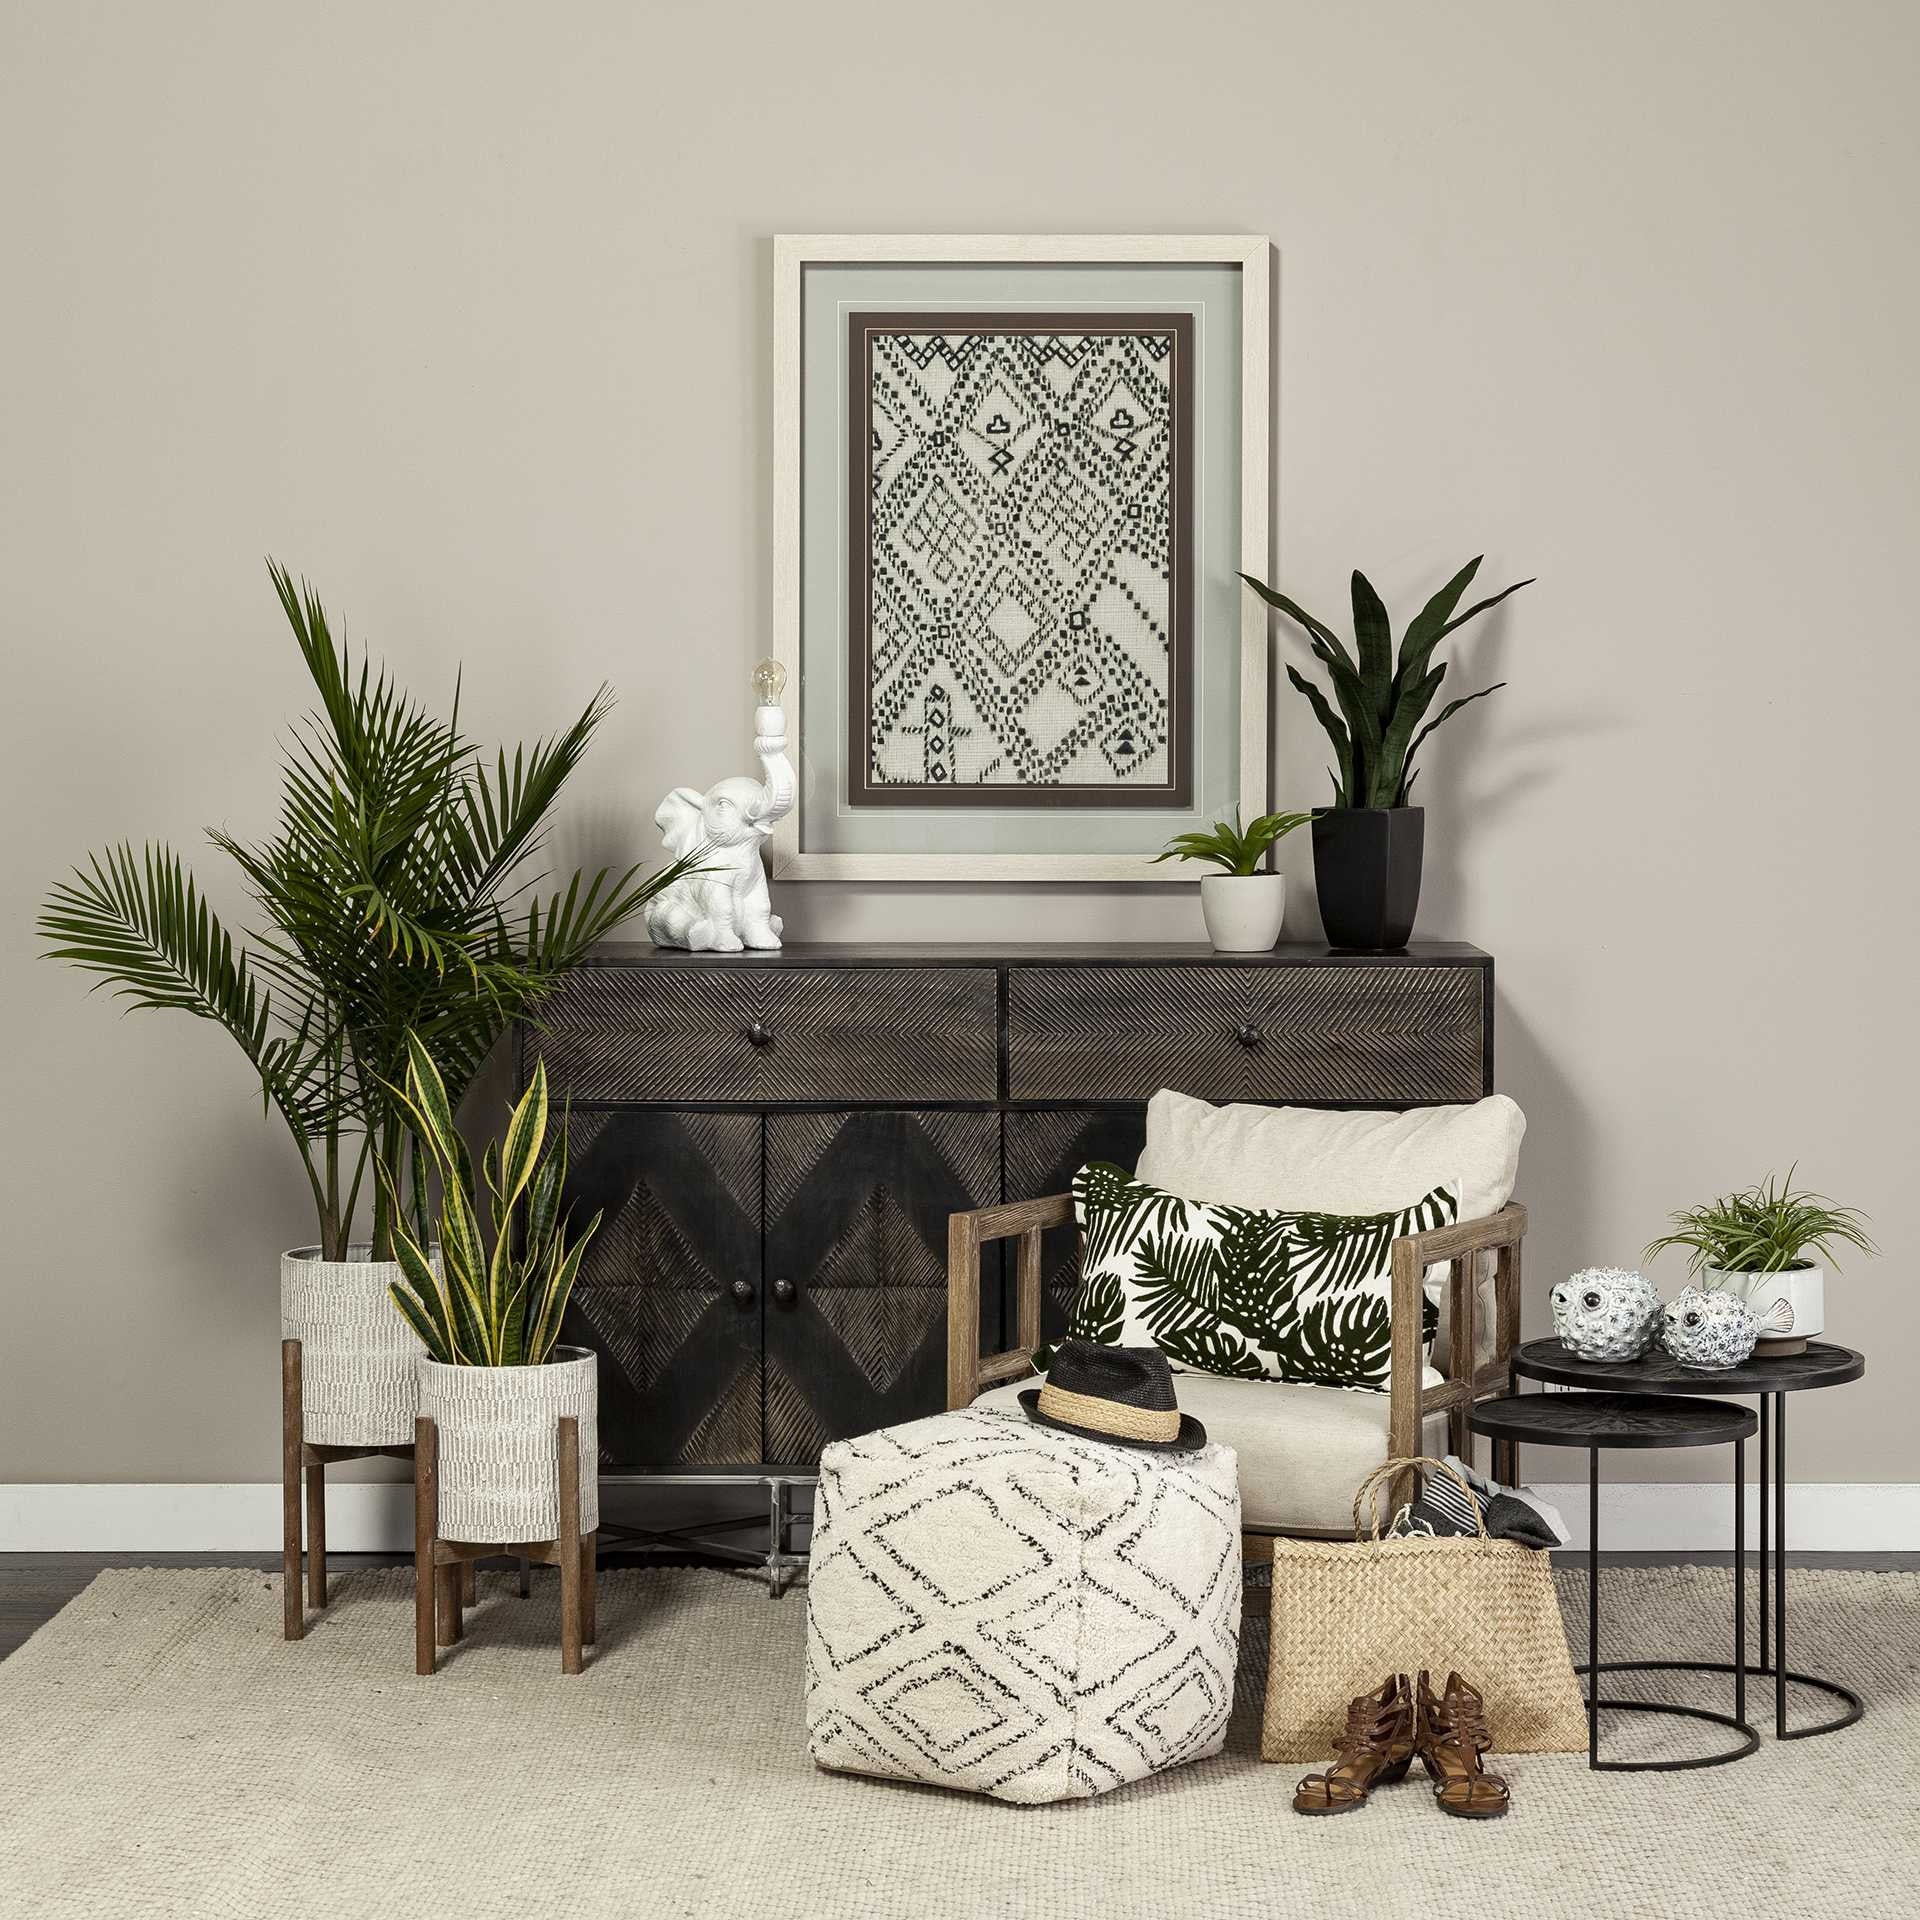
{"x": 1020, "y": 561}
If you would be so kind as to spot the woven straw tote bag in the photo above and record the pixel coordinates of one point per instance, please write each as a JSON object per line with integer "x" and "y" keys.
{"x": 1345, "y": 1616}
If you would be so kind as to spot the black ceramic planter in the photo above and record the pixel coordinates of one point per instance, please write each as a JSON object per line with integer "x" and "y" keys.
{"x": 1366, "y": 870}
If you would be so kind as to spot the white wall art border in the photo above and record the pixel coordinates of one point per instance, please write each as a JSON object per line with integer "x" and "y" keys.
{"x": 1135, "y": 365}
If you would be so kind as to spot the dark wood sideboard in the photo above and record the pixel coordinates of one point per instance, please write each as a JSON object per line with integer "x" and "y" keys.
{"x": 775, "y": 1142}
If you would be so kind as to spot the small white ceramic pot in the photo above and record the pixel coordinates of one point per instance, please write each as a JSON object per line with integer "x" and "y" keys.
{"x": 1789, "y": 1307}
{"x": 499, "y": 1445}
{"x": 358, "y": 1385}
{"x": 1243, "y": 911}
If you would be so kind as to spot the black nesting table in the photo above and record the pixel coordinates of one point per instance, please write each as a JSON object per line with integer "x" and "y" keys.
{"x": 1599, "y": 1420}
{"x": 1770, "y": 1380}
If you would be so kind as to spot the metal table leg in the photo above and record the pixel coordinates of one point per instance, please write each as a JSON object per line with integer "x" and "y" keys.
{"x": 1749, "y": 1739}
{"x": 1777, "y": 1663}
{"x": 1593, "y": 1608}
{"x": 1740, "y": 1580}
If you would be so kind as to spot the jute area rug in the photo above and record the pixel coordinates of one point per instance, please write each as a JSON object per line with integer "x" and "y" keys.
{"x": 166, "y": 1753}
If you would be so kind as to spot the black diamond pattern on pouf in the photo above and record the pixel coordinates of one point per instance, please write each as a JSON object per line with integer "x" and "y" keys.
{"x": 999, "y": 1607}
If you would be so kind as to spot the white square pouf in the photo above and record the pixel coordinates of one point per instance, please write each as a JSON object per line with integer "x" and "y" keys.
{"x": 997, "y": 1606}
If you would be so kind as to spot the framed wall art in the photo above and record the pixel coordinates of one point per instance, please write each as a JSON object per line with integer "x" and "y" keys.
{"x": 1015, "y": 480}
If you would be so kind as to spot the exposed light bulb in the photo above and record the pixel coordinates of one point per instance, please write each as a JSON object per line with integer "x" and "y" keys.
{"x": 769, "y": 680}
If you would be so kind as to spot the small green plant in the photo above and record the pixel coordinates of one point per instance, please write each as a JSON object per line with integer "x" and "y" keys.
{"x": 502, "y": 1310}
{"x": 1382, "y": 700}
{"x": 1764, "y": 1229}
{"x": 1226, "y": 846}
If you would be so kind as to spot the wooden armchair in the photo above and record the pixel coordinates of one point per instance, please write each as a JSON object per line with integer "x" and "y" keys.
{"x": 1410, "y": 1401}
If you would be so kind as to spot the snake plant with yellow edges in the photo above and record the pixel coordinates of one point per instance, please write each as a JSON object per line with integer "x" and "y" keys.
{"x": 487, "y": 1310}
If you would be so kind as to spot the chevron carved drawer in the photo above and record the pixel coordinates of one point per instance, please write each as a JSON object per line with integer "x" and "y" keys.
{"x": 1373, "y": 1035}
{"x": 773, "y": 1037}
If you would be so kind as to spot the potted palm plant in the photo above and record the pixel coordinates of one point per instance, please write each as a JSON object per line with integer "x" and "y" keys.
{"x": 1756, "y": 1244}
{"x": 1367, "y": 847}
{"x": 493, "y": 1378}
{"x": 394, "y": 895}
{"x": 1242, "y": 906}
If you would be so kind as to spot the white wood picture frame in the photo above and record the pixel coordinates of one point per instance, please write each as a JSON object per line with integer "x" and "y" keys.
{"x": 792, "y": 255}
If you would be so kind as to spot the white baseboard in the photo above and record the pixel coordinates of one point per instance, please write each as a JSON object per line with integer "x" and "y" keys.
{"x": 238, "y": 1517}
{"x": 1648, "y": 1516}
{"x": 1644, "y": 1516}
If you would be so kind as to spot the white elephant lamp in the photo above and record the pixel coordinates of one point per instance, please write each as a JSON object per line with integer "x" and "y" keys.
{"x": 724, "y": 906}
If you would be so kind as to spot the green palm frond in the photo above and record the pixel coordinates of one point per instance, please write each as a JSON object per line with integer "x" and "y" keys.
{"x": 140, "y": 921}
{"x": 1177, "y": 1285}
{"x": 1214, "y": 1349}
{"x": 1338, "y": 1342}
{"x": 397, "y": 893}
{"x": 1099, "y": 1309}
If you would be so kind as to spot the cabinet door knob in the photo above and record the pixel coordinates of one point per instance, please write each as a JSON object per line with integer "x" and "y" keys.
{"x": 760, "y": 1035}
{"x": 1248, "y": 1036}
{"x": 784, "y": 1291}
{"x": 743, "y": 1293}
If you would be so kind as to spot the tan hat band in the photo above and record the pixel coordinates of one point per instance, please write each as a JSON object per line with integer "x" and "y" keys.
{"x": 1108, "y": 1416}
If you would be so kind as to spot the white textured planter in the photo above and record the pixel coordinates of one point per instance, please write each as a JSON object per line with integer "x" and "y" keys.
{"x": 1790, "y": 1306}
{"x": 499, "y": 1445}
{"x": 358, "y": 1386}
{"x": 1243, "y": 911}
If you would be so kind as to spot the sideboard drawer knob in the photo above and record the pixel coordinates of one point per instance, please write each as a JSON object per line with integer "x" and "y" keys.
{"x": 1248, "y": 1036}
{"x": 743, "y": 1293}
{"x": 783, "y": 1291}
{"x": 760, "y": 1035}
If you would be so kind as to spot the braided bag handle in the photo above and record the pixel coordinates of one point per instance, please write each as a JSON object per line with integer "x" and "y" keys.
{"x": 1367, "y": 1493}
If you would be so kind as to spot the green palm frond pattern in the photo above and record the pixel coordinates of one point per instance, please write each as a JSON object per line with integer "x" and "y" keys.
{"x": 1249, "y": 1292}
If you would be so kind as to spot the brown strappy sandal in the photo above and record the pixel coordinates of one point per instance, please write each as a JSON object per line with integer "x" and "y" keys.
{"x": 1451, "y": 1734}
{"x": 1375, "y": 1751}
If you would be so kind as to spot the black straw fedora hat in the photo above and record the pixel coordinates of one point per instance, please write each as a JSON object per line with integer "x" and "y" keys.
{"x": 1123, "y": 1394}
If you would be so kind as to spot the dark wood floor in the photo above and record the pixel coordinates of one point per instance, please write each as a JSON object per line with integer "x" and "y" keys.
{"x": 35, "y": 1586}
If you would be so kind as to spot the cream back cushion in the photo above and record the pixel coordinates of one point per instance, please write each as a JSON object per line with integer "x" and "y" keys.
{"x": 1303, "y": 1159}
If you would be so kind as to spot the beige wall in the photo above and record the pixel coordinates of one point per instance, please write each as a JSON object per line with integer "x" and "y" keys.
{"x": 463, "y": 311}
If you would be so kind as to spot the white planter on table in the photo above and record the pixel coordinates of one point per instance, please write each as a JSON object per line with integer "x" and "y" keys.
{"x": 498, "y": 1444}
{"x": 1243, "y": 911}
{"x": 358, "y": 1384}
{"x": 1789, "y": 1306}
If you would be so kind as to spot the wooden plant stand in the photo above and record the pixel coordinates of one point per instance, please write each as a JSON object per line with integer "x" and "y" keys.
{"x": 443, "y": 1569}
{"x": 298, "y": 1460}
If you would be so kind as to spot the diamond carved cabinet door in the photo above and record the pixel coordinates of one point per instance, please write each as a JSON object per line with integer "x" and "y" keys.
{"x": 856, "y": 1264}
{"x": 669, "y": 1289}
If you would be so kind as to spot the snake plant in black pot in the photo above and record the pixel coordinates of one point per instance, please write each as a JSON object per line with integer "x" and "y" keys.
{"x": 1367, "y": 846}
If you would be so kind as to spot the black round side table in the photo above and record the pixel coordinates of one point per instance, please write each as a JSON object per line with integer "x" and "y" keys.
{"x": 1597, "y": 1420}
{"x": 1771, "y": 1380}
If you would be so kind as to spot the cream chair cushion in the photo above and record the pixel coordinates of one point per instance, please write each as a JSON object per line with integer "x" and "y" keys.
{"x": 1302, "y": 1450}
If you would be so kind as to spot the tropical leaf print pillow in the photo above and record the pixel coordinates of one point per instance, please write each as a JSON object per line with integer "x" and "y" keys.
{"x": 1241, "y": 1291}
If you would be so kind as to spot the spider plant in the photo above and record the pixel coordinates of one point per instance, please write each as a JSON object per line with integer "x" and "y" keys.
{"x": 498, "y": 1309}
{"x": 1767, "y": 1228}
{"x": 1227, "y": 847}
{"x": 1382, "y": 700}
{"x": 394, "y": 895}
